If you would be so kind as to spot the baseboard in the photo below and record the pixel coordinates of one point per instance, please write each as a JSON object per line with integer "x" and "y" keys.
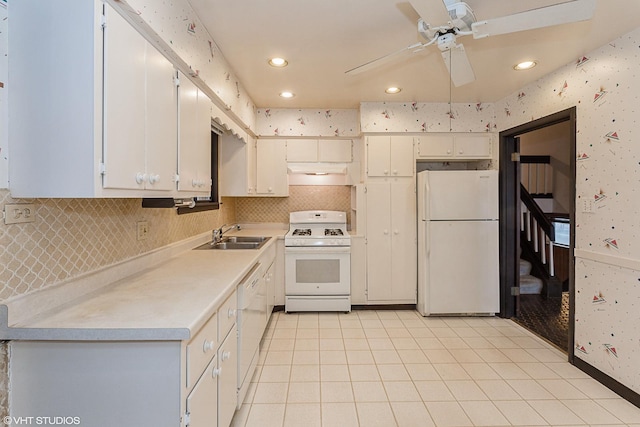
{"x": 368, "y": 307}
{"x": 618, "y": 388}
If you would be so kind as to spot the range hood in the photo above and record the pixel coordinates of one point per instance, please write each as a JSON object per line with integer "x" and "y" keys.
{"x": 317, "y": 168}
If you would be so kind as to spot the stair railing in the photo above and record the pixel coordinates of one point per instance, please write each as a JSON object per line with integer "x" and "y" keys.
{"x": 538, "y": 228}
{"x": 537, "y": 175}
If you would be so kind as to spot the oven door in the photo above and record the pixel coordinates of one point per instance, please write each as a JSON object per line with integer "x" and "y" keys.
{"x": 317, "y": 270}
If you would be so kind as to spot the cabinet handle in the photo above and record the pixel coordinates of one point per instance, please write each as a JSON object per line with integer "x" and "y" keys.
{"x": 154, "y": 178}
{"x": 396, "y": 232}
{"x": 395, "y": 172}
{"x": 460, "y": 152}
{"x": 448, "y": 151}
{"x": 207, "y": 345}
{"x": 226, "y": 355}
{"x": 215, "y": 372}
{"x": 386, "y": 172}
{"x": 386, "y": 232}
{"x": 141, "y": 177}
{"x": 231, "y": 313}
{"x": 270, "y": 190}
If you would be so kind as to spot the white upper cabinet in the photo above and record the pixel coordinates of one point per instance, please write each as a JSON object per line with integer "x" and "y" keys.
{"x": 452, "y": 146}
{"x": 271, "y": 168}
{"x": 140, "y": 111}
{"x": 323, "y": 150}
{"x": 194, "y": 141}
{"x": 100, "y": 117}
{"x": 390, "y": 156}
{"x": 237, "y": 167}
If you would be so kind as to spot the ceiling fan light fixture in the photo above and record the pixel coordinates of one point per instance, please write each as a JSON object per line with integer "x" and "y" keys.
{"x": 525, "y": 65}
{"x": 287, "y": 94}
{"x": 393, "y": 90}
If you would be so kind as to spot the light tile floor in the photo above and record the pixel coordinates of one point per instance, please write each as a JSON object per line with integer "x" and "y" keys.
{"x": 396, "y": 368}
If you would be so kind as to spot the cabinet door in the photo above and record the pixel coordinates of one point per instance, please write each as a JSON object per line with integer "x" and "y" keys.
{"x": 228, "y": 379}
{"x": 270, "y": 281}
{"x": 334, "y": 150}
{"x": 302, "y": 150}
{"x": 401, "y": 156}
{"x": 378, "y": 162}
{"x": 202, "y": 401}
{"x": 473, "y": 146}
{"x": 271, "y": 167}
{"x": 194, "y": 153}
{"x": 161, "y": 123}
{"x": 435, "y": 146}
{"x": 403, "y": 241}
{"x": 124, "y": 104}
{"x": 379, "y": 273}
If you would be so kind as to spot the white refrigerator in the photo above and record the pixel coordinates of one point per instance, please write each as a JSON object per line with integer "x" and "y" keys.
{"x": 458, "y": 270}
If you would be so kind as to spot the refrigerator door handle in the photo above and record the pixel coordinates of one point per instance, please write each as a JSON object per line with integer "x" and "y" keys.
{"x": 427, "y": 199}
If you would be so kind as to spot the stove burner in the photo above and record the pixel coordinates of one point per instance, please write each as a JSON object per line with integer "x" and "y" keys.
{"x": 302, "y": 232}
{"x": 333, "y": 232}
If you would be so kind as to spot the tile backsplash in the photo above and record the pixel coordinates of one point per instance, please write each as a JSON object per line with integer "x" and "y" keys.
{"x": 71, "y": 237}
{"x": 301, "y": 198}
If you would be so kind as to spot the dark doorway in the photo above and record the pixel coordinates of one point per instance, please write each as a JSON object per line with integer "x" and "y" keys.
{"x": 510, "y": 218}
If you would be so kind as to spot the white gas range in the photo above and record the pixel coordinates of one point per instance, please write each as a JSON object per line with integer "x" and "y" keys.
{"x": 317, "y": 262}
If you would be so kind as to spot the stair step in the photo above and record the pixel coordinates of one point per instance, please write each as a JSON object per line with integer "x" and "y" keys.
{"x": 525, "y": 267}
{"x": 530, "y": 285}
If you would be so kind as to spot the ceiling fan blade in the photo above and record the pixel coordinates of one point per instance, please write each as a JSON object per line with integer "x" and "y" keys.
{"x": 563, "y": 13}
{"x": 458, "y": 64}
{"x": 384, "y": 59}
{"x": 433, "y": 12}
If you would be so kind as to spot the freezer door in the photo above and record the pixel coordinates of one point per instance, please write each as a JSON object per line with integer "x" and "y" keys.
{"x": 461, "y": 268}
{"x": 461, "y": 195}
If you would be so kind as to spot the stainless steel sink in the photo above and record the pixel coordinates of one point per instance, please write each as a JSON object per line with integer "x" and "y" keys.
{"x": 236, "y": 242}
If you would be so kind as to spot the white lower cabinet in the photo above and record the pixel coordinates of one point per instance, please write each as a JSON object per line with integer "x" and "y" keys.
{"x": 391, "y": 241}
{"x": 141, "y": 383}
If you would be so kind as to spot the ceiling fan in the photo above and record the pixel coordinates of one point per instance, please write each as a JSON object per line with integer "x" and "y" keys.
{"x": 442, "y": 22}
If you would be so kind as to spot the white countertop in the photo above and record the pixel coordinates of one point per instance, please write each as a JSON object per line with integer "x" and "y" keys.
{"x": 168, "y": 302}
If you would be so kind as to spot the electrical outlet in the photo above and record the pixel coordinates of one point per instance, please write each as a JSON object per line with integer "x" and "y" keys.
{"x": 143, "y": 230}
{"x": 19, "y": 213}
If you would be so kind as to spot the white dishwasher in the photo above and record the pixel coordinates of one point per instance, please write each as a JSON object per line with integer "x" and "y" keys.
{"x": 252, "y": 315}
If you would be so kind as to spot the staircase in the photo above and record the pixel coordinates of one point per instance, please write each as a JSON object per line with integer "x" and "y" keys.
{"x": 537, "y": 233}
{"x": 529, "y": 284}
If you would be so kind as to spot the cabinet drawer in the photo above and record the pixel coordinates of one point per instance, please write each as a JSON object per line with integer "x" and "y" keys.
{"x": 227, "y": 314}
{"x": 201, "y": 349}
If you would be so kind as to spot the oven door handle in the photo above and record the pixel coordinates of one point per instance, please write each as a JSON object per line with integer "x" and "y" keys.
{"x": 317, "y": 249}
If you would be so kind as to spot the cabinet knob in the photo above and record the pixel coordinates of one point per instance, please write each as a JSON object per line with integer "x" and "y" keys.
{"x": 385, "y": 232}
{"x": 460, "y": 152}
{"x": 154, "y": 178}
{"x": 141, "y": 177}
{"x": 270, "y": 190}
{"x": 231, "y": 312}
{"x": 207, "y": 345}
{"x": 448, "y": 151}
{"x": 226, "y": 355}
{"x": 396, "y": 232}
{"x": 215, "y": 372}
{"x": 395, "y": 172}
{"x": 386, "y": 172}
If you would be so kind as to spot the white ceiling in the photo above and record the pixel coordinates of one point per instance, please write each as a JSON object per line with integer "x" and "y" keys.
{"x": 323, "y": 39}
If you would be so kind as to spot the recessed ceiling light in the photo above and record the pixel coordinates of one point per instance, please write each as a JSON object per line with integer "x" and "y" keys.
{"x": 287, "y": 94}
{"x": 525, "y": 65}
{"x": 392, "y": 90}
{"x": 278, "y": 62}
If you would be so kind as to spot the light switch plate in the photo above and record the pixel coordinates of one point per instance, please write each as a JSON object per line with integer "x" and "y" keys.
{"x": 19, "y": 213}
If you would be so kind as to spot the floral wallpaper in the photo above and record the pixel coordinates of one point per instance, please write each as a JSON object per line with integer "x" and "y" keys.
{"x": 603, "y": 85}
{"x": 307, "y": 122}
{"x": 176, "y": 23}
{"x": 426, "y": 117}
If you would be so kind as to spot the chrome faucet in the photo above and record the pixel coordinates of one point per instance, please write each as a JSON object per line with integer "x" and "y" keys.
{"x": 219, "y": 232}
